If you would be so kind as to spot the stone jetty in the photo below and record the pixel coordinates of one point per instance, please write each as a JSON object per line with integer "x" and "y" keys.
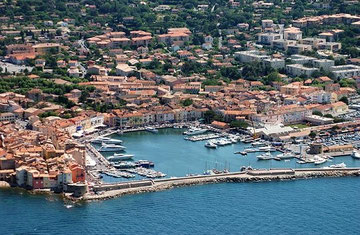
{"x": 106, "y": 191}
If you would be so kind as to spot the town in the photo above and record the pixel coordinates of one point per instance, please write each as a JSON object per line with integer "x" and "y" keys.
{"x": 85, "y": 70}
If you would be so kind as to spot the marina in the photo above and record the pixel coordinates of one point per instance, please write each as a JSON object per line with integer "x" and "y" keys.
{"x": 205, "y": 155}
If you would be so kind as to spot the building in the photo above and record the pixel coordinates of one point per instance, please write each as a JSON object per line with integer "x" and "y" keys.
{"x": 123, "y": 70}
{"x": 324, "y": 64}
{"x": 300, "y": 70}
{"x": 250, "y": 56}
{"x": 274, "y": 63}
{"x": 345, "y": 71}
{"x": 318, "y": 120}
{"x": 293, "y": 34}
{"x": 43, "y": 48}
{"x": 268, "y": 38}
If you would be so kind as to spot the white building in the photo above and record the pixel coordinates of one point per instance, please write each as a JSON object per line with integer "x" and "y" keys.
{"x": 274, "y": 63}
{"x": 323, "y": 64}
{"x": 250, "y": 56}
{"x": 299, "y": 69}
{"x": 345, "y": 71}
{"x": 301, "y": 59}
{"x": 293, "y": 34}
{"x": 267, "y": 38}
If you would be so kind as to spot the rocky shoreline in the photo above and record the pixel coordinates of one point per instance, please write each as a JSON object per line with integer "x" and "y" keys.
{"x": 244, "y": 178}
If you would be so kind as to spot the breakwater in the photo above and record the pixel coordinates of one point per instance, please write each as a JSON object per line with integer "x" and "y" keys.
{"x": 106, "y": 191}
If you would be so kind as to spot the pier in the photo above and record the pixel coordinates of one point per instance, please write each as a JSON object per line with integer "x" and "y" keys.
{"x": 105, "y": 191}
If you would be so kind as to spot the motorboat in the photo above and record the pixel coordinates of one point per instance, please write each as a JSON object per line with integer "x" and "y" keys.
{"x": 111, "y": 148}
{"x": 195, "y": 131}
{"x": 267, "y": 149}
{"x": 144, "y": 164}
{"x": 258, "y": 144}
{"x": 340, "y": 165}
{"x": 106, "y": 140}
{"x": 124, "y": 165}
{"x": 210, "y": 144}
{"x": 287, "y": 155}
{"x": 265, "y": 156}
{"x": 250, "y": 150}
{"x": 319, "y": 160}
{"x": 120, "y": 157}
{"x": 355, "y": 154}
{"x": 151, "y": 129}
{"x": 301, "y": 162}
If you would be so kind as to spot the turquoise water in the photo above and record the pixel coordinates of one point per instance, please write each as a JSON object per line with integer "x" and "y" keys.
{"x": 317, "y": 206}
{"x": 175, "y": 156}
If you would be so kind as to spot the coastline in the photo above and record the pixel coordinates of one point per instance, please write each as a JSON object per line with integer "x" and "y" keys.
{"x": 238, "y": 177}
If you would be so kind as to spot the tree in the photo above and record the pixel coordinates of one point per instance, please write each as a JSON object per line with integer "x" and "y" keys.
{"x": 317, "y": 113}
{"x": 312, "y": 135}
{"x": 187, "y": 102}
{"x": 239, "y": 124}
{"x": 209, "y": 116}
{"x": 345, "y": 100}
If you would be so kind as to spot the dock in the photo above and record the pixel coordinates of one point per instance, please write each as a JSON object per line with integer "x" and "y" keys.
{"x": 106, "y": 191}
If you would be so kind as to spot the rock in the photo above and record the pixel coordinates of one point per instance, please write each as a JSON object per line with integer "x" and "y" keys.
{"x": 4, "y": 184}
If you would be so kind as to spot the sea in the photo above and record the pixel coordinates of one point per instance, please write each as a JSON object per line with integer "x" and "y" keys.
{"x": 313, "y": 206}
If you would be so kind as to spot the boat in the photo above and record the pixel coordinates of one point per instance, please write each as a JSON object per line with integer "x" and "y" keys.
{"x": 106, "y": 140}
{"x": 267, "y": 149}
{"x": 210, "y": 144}
{"x": 250, "y": 150}
{"x": 277, "y": 159}
{"x": 340, "y": 165}
{"x": 111, "y": 148}
{"x": 151, "y": 129}
{"x": 355, "y": 154}
{"x": 144, "y": 163}
{"x": 125, "y": 165}
{"x": 265, "y": 156}
{"x": 120, "y": 157}
{"x": 258, "y": 144}
{"x": 319, "y": 160}
{"x": 300, "y": 162}
{"x": 287, "y": 155}
{"x": 195, "y": 131}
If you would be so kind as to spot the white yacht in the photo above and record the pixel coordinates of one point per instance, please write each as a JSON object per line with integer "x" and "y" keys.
{"x": 195, "y": 131}
{"x": 340, "y": 165}
{"x": 265, "y": 156}
{"x": 106, "y": 140}
{"x": 267, "y": 149}
{"x": 319, "y": 160}
{"x": 355, "y": 154}
{"x": 258, "y": 144}
{"x": 111, "y": 148}
{"x": 287, "y": 155}
{"x": 151, "y": 129}
{"x": 120, "y": 157}
{"x": 210, "y": 144}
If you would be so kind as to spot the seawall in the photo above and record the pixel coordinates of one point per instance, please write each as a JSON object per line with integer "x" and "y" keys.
{"x": 107, "y": 191}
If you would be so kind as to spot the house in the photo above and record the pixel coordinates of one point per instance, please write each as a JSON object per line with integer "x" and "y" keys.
{"x": 43, "y": 48}
{"x": 124, "y": 70}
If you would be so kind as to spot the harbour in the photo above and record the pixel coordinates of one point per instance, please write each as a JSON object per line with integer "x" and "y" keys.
{"x": 210, "y": 157}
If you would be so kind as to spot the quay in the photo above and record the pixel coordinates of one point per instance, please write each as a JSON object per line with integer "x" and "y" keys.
{"x": 106, "y": 191}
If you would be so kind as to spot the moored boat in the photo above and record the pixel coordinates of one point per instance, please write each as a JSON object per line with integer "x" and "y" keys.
{"x": 355, "y": 154}
{"x": 120, "y": 157}
{"x": 111, "y": 148}
{"x": 210, "y": 144}
{"x": 151, "y": 129}
{"x": 106, "y": 140}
